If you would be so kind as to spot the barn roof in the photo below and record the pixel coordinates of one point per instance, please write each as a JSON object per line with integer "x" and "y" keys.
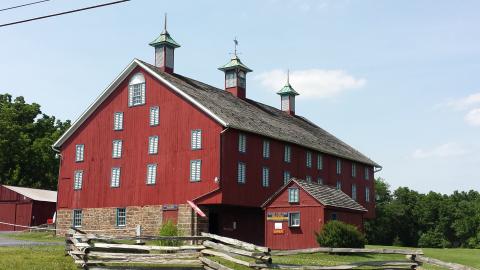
{"x": 246, "y": 115}
{"x": 35, "y": 194}
{"x": 326, "y": 195}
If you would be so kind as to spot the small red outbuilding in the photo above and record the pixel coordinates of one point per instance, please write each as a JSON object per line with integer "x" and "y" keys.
{"x": 25, "y": 206}
{"x": 300, "y": 208}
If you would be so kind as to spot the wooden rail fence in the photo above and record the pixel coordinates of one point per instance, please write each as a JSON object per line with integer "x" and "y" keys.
{"x": 207, "y": 251}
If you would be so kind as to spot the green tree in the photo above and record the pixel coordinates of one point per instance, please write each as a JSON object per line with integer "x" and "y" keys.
{"x": 26, "y": 136}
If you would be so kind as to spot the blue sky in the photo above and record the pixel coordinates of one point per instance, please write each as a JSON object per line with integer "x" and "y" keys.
{"x": 397, "y": 80}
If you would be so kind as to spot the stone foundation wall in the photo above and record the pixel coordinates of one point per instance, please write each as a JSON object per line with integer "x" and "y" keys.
{"x": 148, "y": 217}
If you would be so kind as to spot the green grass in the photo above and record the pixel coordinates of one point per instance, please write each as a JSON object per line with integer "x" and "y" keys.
{"x": 468, "y": 257}
{"x": 35, "y": 258}
{"x": 34, "y": 236}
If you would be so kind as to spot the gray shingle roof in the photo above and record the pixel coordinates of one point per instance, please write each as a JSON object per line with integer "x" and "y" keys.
{"x": 326, "y": 195}
{"x": 251, "y": 116}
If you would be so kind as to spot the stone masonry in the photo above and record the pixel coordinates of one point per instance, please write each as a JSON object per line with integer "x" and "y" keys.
{"x": 103, "y": 220}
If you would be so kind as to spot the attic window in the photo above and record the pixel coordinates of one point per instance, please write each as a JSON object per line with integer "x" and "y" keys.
{"x": 293, "y": 195}
{"x": 136, "y": 90}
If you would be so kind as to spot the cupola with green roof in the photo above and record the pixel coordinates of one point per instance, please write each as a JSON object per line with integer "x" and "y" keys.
{"x": 287, "y": 97}
{"x": 164, "y": 50}
{"x": 235, "y": 75}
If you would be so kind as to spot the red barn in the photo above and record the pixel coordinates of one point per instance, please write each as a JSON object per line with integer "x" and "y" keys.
{"x": 154, "y": 139}
{"x": 300, "y": 208}
{"x": 25, "y": 206}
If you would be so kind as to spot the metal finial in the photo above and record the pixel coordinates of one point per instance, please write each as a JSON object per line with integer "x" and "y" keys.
{"x": 235, "y": 41}
{"x": 165, "y": 23}
{"x": 288, "y": 76}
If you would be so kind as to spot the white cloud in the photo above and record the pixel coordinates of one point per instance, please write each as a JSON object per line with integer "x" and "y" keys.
{"x": 473, "y": 117}
{"x": 313, "y": 83}
{"x": 465, "y": 102}
{"x": 446, "y": 150}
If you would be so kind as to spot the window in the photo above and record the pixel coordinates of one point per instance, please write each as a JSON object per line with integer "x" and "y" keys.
{"x": 308, "y": 178}
{"x": 152, "y": 145}
{"x": 196, "y": 139}
{"x": 136, "y": 90}
{"x": 79, "y": 152}
{"x": 367, "y": 194}
{"x": 288, "y": 152}
{"x": 115, "y": 177}
{"x": 367, "y": 173}
{"x": 154, "y": 116}
{"x": 77, "y": 218}
{"x": 319, "y": 162}
{"x": 286, "y": 177}
{"x": 266, "y": 149}
{"x": 339, "y": 185}
{"x": 242, "y": 143}
{"x": 78, "y": 179}
{"x": 241, "y": 172}
{"x": 293, "y": 195}
{"x": 308, "y": 159}
{"x": 118, "y": 121}
{"x": 320, "y": 180}
{"x": 339, "y": 166}
{"x": 117, "y": 149}
{"x": 354, "y": 170}
{"x": 265, "y": 176}
{"x": 294, "y": 219}
{"x": 151, "y": 174}
{"x": 230, "y": 80}
{"x": 334, "y": 216}
{"x": 354, "y": 192}
{"x": 121, "y": 217}
{"x": 195, "y": 170}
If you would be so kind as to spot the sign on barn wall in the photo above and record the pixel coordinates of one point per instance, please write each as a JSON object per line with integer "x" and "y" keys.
{"x": 170, "y": 207}
{"x": 277, "y": 216}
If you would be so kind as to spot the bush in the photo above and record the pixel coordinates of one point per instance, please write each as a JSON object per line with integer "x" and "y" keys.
{"x": 433, "y": 239}
{"x": 337, "y": 234}
{"x": 169, "y": 229}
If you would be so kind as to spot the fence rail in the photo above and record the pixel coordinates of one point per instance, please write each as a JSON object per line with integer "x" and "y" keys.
{"x": 207, "y": 251}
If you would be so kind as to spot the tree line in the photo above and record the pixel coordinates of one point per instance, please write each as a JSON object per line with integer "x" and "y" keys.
{"x": 26, "y": 136}
{"x": 406, "y": 217}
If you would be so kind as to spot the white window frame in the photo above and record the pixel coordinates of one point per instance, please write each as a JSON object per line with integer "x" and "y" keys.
{"x": 115, "y": 177}
{"x": 320, "y": 180}
{"x": 77, "y": 216}
{"x": 242, "y": 143}
{"x": 294, "y": 195}
{"x": 154, "y": 118}
{"x": 79, "y": 152}
{"x": 294, "y": 219}
{"x": 308, "y": 178}
{"x": 354, "y": 169}
{"x": 339, "y": 166}
{"x": 266, "y": 149}
{"x": 153, "y": 145}
{"x": 287, "y": 157}
{"x": 196, "y": 139}
{"x": 78, "y": 179}
{"x": 121, "y": 217}
{"x": 151, "y": 174}
{"x": 308, "y": 159}
{"x": 265, "y": 177}
{"x": 354, "y": 192}
{"x": 136, "y": 90}
{"x": 118, "y": 121}
{"x": 195, "y": 170}
{"x": 367, "y": 173}
{"x": 319, "y": 162}
{"x": 241, "y": 172}
{"x": 286, "y": 177}
{"x": 339, "y": 185}
{"x": 367, "y": 194}
{"x": 117, "y": 146}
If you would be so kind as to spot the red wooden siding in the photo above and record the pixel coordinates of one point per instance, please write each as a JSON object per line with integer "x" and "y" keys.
{"x": 234, "y": 193}
{"x": 353, "y": 218}
{"x": 177, "y": 118}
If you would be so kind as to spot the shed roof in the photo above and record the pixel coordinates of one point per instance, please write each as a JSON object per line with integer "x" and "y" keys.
{"x": 326, "y": 195}
{"x": 242, "y": 114}
{"x": 35, "y": 194}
